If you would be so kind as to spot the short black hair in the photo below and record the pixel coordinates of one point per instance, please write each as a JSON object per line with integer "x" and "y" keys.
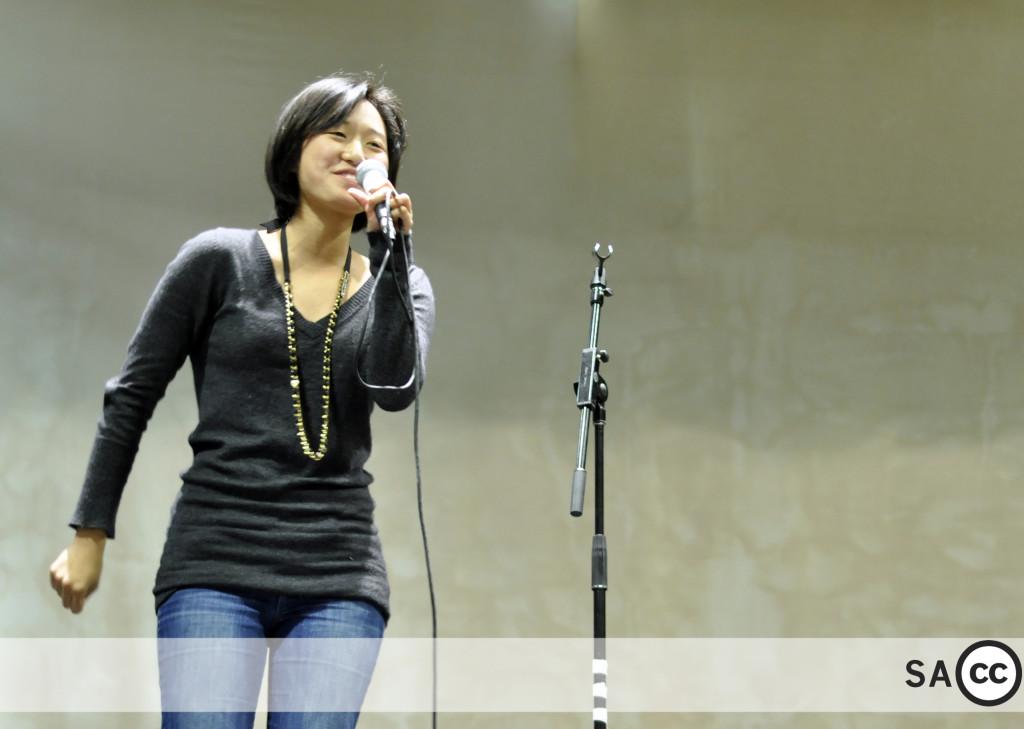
{"x": 320, "y": 106}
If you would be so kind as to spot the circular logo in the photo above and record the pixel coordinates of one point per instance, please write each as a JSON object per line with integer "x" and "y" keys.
{"x": 988, "y": 673}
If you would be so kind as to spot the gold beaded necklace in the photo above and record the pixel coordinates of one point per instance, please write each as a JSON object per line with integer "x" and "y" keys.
{"x": 293, "y": 361}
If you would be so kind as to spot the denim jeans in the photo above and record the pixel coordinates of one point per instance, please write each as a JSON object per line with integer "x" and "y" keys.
{"x": 215, "y": 684}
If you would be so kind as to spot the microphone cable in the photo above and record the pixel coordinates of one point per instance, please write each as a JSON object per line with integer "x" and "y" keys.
{"x": 414, "y": 380}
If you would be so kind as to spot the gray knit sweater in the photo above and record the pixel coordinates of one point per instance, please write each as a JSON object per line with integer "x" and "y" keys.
{"x": 255, "y": 513}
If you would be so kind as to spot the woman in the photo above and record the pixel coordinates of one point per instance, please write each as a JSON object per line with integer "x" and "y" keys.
{"x": 293, "y": 338}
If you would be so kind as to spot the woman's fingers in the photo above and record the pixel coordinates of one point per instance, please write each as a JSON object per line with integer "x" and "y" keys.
{"x": 369, "y": 202}
{"x": 401, "y": 211}
{"x": 55, "y": 573}
{"x": 401, "y": 205}
{"x": 361, "y": 197}
{"x": 58, "y": 575}
{"x": 75, "y": 574}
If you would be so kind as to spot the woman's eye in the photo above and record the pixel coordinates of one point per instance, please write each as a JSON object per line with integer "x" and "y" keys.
{"x": 340, "y": 135}
{"x": 378, "y": 145}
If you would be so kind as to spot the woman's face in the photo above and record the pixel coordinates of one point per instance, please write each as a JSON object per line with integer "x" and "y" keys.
{"x": 327, "y": 167}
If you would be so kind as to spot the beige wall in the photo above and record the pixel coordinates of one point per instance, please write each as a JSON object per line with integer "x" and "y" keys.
{"x": 815, "y": 421}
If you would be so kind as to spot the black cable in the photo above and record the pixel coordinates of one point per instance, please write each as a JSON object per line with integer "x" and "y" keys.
{"x": 426, "y": 554}
{"x": 419, "y": 493}
{"x": 407, "y": 304}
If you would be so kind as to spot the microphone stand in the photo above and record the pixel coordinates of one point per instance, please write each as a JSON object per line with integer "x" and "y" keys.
{"x": 591, "y": 395}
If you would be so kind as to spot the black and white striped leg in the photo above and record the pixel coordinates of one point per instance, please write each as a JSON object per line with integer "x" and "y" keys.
{"x": 600, "y": 694}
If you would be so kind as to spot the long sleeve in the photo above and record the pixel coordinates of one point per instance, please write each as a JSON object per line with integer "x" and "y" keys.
{"x": 390, "y": 350}
{"x": 182, "y": 302}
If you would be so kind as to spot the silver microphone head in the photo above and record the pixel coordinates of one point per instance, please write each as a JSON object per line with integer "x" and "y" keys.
{"x": 371, "y": 174}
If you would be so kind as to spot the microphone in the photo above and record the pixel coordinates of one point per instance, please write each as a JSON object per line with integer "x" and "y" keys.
{"x": 371, "y": 174}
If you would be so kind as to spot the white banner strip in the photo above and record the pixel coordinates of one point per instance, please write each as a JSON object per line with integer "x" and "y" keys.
{"x": 542, "y": 675}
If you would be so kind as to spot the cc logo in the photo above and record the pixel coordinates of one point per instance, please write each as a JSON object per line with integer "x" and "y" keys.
{"x": 988, "y": 673}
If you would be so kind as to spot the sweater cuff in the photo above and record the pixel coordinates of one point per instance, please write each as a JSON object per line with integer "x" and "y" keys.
{"x": 105, "y": 478}
{"x": 401, "y": 256}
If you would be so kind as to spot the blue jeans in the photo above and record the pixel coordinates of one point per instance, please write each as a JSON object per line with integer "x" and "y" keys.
{"x": 223, "y": 676}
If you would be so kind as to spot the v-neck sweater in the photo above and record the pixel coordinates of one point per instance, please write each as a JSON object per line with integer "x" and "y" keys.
{"x": 254, "y": 513}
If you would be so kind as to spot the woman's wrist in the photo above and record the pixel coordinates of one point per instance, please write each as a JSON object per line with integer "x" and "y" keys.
{"x": 94, "y": 533}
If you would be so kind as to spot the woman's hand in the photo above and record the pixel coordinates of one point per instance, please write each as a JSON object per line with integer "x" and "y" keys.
{"x": 75, "y": 574}
{"x": 401, "y": 206}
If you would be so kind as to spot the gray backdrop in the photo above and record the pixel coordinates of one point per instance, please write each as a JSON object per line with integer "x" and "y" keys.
{"x": 816, "y": 422}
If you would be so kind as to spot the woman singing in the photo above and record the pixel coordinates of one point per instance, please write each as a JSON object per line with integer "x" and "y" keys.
{"x": 293, "y": 338}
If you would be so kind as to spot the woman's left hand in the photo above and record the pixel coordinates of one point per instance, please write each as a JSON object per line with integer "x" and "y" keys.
{"x": 401, "y": 206}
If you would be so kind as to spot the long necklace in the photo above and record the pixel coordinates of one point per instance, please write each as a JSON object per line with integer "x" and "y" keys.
{"x": 293, "y": 360}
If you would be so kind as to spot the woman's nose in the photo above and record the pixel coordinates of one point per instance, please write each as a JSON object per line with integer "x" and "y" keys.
{"x": 352, "y": 153}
